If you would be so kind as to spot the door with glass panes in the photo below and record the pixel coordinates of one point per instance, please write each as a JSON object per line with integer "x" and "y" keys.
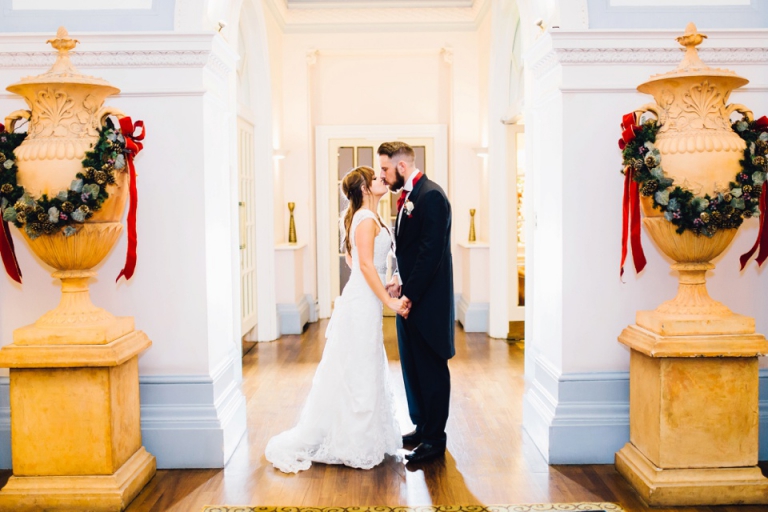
{"x": 346, "y": 154}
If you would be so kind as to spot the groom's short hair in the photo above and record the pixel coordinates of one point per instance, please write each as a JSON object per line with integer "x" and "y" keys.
{"x": 396, "y": 148}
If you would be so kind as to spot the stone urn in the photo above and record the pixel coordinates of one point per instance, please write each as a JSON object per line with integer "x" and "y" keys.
{"x": 693, "y": 362}
{"x": 66, "y": 110}
{"x": 76, "y": 439}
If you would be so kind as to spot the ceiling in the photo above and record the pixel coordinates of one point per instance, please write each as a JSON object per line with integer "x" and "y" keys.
{"x": 304, "y": 4}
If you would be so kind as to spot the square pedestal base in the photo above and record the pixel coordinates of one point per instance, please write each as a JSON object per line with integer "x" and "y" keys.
{"x": 94, "y": 493}
{"x": 687, "y": 487}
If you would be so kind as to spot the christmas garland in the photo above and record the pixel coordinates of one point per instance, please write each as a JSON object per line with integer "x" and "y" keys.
{"x": 69, "y": 208}
{"x": 703, "y": 215}
{"x": 113, "y": 152}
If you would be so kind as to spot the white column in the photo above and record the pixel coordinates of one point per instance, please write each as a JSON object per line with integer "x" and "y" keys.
{"x": 576, "y": 401}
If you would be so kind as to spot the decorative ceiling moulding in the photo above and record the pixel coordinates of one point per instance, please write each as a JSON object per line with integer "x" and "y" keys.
{"x": 605, "y": 47}
{"x": 384, "y": 19}
{"x": 367, "y": 4}
{"x": 192, "y": 58}
{"x": 712, "y": 56}
{"x": 660, "y": 55}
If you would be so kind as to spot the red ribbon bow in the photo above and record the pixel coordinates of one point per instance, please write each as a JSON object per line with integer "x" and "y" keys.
{"x": 629, "y": 128}
{"x": 7, "y": 250}
{"x": 761, "y": 244}
{"x": 630, "y": 227}
{"x": 133, "y": 146}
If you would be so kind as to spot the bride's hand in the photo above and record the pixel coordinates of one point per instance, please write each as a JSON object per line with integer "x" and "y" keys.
{"x": 397, "y": 305}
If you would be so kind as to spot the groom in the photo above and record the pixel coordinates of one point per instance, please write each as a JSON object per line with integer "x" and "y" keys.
{"x": 425, "y": 282}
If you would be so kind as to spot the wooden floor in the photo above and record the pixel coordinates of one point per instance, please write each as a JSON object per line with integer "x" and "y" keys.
{"x": 490, "y": 459}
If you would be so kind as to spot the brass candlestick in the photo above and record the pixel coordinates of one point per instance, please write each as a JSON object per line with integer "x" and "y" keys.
{"x": 472, "y": 236}
{"x": 291, "y": 225}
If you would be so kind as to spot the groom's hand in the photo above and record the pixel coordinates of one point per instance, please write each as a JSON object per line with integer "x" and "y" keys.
{"x": 406, "y": 307}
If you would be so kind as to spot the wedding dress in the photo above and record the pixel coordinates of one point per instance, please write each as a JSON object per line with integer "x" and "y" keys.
{"x": 349, "y": 414}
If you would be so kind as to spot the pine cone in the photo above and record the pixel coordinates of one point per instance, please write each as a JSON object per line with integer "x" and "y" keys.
{"x": 747, "y": 189}
{"x": 705, "y": 217}
{"x": 637, "y": 164}
{"x": 649, "y": 187}
{"x": 2, "y": 157}
{"x": 746, "y": 214}
{"x": 42, "y": 217}
{"x": 7, "y": 188}
{"x": 67, "y": 207}
{"x": 100, "y": 177}
{"x": 727, "y": 197}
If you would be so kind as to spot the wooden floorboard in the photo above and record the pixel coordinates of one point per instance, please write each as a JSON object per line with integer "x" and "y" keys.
{"x": 490, "y": 459}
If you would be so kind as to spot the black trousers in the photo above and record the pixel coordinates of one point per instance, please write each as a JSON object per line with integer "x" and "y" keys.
{"x": 427, "y": 383}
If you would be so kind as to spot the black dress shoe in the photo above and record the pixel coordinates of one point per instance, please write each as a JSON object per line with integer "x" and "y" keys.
{"x": 412, "y": 438}
{"x": 425, "y": 452}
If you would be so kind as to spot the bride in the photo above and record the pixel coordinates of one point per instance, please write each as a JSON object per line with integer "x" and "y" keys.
{"x": 349, "y": 415}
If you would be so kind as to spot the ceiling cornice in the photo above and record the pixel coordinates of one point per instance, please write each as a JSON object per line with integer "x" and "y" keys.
{"x": 386, "y": 19}
{"x": 368, "y": 4}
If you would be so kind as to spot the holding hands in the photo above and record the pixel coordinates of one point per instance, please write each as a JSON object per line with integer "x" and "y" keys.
{"x": 401, "y": 305}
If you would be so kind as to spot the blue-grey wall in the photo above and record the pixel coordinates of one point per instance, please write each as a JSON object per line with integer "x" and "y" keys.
{"x": 159, "y": 17}
{"x": 603, "y": 15}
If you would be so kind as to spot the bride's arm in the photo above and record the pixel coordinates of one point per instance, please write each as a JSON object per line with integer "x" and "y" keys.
{"x": 365, "y": 234}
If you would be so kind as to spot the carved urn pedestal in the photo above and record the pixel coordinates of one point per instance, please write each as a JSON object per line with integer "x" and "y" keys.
{"x": 693, "y": 385}
{"x": 74, "y": 378}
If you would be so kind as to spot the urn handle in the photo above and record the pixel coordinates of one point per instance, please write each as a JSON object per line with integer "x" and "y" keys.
{"x": 738, "y": 107}
{"x": 105, "y": 112}
{"x": 10, "y": 121}
{"x": 649, "y": 107}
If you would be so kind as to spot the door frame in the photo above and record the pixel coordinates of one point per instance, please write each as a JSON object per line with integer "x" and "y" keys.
{"x": 323, "y": 136}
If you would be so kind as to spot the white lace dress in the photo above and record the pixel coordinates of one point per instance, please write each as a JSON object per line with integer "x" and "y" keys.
{"x": 349, "y": 415}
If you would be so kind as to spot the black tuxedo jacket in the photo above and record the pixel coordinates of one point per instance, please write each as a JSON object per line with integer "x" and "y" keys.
{"x": 425, "y": 264}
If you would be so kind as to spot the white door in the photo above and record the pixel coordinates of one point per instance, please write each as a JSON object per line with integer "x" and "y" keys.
{"x": 247, "y": 209}
{"x": 345, "y": 155}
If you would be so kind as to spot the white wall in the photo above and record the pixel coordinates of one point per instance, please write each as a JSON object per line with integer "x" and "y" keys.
{"x": 379, "y": 78}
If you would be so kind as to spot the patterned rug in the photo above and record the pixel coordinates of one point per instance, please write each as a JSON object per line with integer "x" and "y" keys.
{"x": 586, "y": 507}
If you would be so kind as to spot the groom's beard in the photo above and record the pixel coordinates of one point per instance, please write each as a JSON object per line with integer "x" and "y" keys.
{"x": 398, "y": 184}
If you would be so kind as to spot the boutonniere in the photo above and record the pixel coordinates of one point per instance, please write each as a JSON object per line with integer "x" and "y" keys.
{"x": 408, "y": 208}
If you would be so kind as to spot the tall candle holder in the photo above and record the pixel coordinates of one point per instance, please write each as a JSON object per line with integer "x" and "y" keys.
{"x": 472, "y": 235}
{"x": 291, "y": 225}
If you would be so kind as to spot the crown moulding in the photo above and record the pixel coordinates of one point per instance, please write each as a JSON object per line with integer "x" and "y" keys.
{"x": 661, "y": 56}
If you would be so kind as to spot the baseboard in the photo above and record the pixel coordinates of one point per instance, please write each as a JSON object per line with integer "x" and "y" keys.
{"x": 314, "y": 314}
{"x": 762, "y": 453}
{"x": 580, "y": 418}
{"x": 293, "y": 317}
{"x": 583, "y": 418}
{"x": 5, "y": 423}
{"x": 473, "y": 316}
{"x": 192, "y": 421}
